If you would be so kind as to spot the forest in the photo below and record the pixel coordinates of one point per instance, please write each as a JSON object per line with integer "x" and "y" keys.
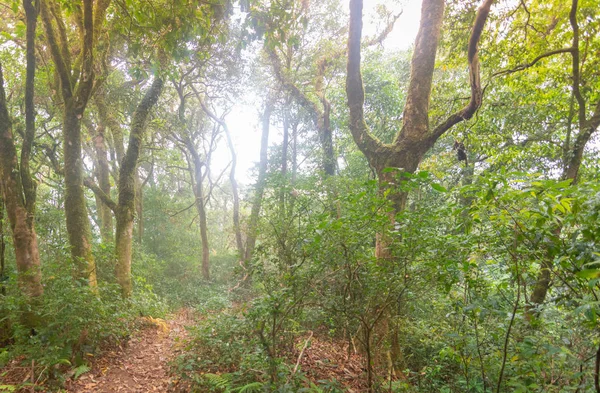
{"x": 326, "y": 196}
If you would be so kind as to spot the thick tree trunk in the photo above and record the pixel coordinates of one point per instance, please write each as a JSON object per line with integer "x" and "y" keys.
{"x": 2, "y": 244}
{"x": 123, "y": 248}
{"x": 139, "y": 207}
{"x": 78, "y": 224}
{"x": 125, "y": 209}
{"x": 76, "y": 88}
{"x": 260, "y": 183}
{"x": 20, "y": 219}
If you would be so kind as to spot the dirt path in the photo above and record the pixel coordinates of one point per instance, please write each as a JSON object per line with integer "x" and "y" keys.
{"x": 142, "y": 365}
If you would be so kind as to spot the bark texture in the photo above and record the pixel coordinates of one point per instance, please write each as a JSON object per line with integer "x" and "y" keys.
{"x": 126, "y": 206}
{"x": 15, "y": 199}
{"x": 76, "y": 81}
{"x": 2, "y": 244}
{"x": 415, "y": 137}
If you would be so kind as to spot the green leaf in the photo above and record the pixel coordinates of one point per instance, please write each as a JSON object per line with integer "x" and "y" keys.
{"x": 588, "y": 273}
{"x": 438, "y": 187}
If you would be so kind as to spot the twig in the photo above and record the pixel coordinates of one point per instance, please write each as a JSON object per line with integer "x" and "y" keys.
{"x": 301, "y": 354}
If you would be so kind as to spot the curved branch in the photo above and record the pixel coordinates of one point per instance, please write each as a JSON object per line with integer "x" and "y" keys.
{"x": 476, "y": 92}
{"x": 107, "y": 200}
{"x": 355, "y": 90}
{"x": 575, "y": 56}
{"x": 533, "y": 62}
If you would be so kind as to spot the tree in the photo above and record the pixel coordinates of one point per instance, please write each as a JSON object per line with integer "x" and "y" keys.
{"x": 19, "y": 203}
{"x": 260, "y": 182}
{"x": 17, "y": 184}
{"x": 125, "y": 207}
{"x": 415, "y": 137}
{"x": 76, "y": 80}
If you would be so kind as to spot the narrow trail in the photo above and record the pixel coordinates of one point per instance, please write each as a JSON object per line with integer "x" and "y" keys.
{"x": 142, "y": 366}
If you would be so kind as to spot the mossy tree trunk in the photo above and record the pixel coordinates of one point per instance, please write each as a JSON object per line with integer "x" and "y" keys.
{"x": 18, "y": 188}
{"x": 76, "y": 81}
{"x": 126, "y": 206}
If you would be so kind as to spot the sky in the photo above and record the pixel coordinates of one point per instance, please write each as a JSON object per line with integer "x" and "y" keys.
{"x": 244, "y": 119}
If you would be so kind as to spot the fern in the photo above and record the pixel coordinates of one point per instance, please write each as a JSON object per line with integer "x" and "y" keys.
{"x": 79, "y": 371}
{"x": 253, "y": 387}
{"x": 224, "y": 382}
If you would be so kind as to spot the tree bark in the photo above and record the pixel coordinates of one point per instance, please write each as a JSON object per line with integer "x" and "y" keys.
{"x": 125, "y": 209}
{"x": 3, "y": 276}
{"x": 2, "y": 244}
{"x": 105, "y": 214}
{"x": 17, "y": 186}
{"x": 75, "y": 87}
{"x": 20, "y": 219}
{"x": 260, "y": 183}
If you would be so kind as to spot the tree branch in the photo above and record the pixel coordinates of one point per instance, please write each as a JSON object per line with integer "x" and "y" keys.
{"x": 533, "y": 62}
{"x": 89, "y": 183}
{"x": 60, "y": 63}
{"x": 476, "y": 92}
{"x": 355, "y": 90}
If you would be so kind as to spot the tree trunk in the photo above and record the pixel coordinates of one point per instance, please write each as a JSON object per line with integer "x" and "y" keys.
{"x": 260, "y": 183}
{"x": 139, "y": 206}
{"x": 125, "y": 210}
{"x": 234, "y": 185}
{"x": 21, "y": 222}
{"x": 236, "y": 194}
{"x": 16, "y": 184}
{"x": 573, "y": 158}
{"x": 78, "y": 224}
{"x": 105, "y": 214}
{"x": 76, "y": 88}
{"x": 415, "y": 137}
{"x": 201, "y": 209}
{"x": 2, "y": 245}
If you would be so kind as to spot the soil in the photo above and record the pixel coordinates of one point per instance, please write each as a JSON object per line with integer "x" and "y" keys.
{"x": 142, "y": 366}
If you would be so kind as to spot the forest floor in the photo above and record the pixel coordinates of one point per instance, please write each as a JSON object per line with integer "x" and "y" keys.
{"x": 142, "y": 365}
